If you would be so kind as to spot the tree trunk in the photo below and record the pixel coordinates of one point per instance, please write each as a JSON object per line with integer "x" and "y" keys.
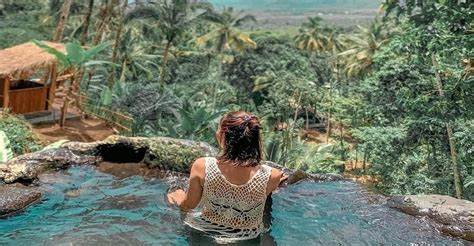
{"x": 341, "y": 129}
{"x": 165, "y": 61}
{"x": 118, "y": 36}
{"x": 307, "y": 119}
{"x": 364, "y": 159}
{"x": 356, "y": 157}
{"x": 66, "y": 98}
{"x": 87, "y": 21}
{"x": 449, "y": 132}
{"x": 123, "y": 67}
{"x": 63, "y": 15}
{"x": 106, "y": 16}
{"x": 328, "y": 131}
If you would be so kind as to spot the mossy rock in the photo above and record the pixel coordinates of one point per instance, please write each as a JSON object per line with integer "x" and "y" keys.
{"x": 174, "y": 155}
{"x": 157, "y": 152}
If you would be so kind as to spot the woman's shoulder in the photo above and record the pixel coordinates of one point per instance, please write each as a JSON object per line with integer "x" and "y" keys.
{"x": 274, "y": 179}
{"x": 274, "y": 172}
{"x": 199, "y": 165}
{"x": 205, "y": 159}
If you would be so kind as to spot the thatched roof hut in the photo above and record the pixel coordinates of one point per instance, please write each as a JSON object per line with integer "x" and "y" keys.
{"x": 26, "y": 57}
{"x": 20, "y": 92}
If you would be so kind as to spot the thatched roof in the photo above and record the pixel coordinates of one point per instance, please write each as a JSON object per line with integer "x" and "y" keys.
{"x": 26, "y": 57}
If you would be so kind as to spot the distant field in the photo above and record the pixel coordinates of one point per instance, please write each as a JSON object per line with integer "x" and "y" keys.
{"x": 298, "y": 5}
{"x": 290, "y": 13}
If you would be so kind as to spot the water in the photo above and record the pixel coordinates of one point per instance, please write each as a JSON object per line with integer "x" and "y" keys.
{"x": 84, "y": 206}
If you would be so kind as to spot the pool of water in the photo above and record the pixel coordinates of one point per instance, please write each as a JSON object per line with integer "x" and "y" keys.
{"x": 84, "y": 206}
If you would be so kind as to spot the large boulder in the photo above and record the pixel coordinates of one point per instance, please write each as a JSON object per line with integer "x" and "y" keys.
{"x": 454, "y": 216}
{"x": 158, "y": 152}
{"x": 16, "y": 197}
{"x": 162, "y": 152}
{"x": 25, "y": 168}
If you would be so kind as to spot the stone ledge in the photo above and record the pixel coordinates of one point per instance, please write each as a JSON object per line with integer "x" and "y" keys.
{"x": 157, "y": 152}
{"x": 27, "y": 167}
{"x": 16, "y": 197}
{"x": 454, "y": 216}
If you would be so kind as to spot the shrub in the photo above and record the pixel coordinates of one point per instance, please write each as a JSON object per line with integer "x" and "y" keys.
{"x": 19, "y": 133}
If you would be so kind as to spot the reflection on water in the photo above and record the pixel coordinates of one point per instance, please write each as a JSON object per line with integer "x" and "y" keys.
{"x": 84, "y": 206}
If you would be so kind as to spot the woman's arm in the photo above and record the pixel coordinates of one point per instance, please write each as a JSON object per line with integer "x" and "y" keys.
{"x": 276, "y": 178}
{"x": 189, "y": 200}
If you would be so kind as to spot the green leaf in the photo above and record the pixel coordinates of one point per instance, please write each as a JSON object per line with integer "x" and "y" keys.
{"x": 99, "y": 63}
{"x": 469, "y": 181}
{"x": 75, "y": 53}
{"x": 90, "y": 53}
{"x": 62, "y": 58}
{"x": 106, "y": 96}
{"x": 6, "y": 153}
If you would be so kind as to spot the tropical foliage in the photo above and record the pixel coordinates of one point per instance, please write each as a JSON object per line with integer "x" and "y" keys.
{"x": 393, "y": 96}
{"x": 6, "y": 153}
{"x": 226, "y": 36}
{"x": 19, "y": 134}
{"x": 75, "y": 60}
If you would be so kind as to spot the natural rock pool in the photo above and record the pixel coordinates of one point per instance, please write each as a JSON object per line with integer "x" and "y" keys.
{"x": 108, "y": 205}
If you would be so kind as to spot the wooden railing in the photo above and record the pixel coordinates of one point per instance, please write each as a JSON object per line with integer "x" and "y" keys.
{"x": 120, "y": 120}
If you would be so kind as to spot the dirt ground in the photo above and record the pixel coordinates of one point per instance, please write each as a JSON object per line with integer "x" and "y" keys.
{"x": 83, "y": 130}
{"x": 315, "y": 136}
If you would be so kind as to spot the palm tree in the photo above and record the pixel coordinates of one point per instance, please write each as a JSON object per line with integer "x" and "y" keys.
{"x": 362, "y": 47}
{"x": 311, "y": 36}
{"x": 134, "y": 56}
{"x": 227, "y": 36}
{"x": 333, "y": 42}
{"x": 117, "y": 40}
{"x": 174, "y": 18}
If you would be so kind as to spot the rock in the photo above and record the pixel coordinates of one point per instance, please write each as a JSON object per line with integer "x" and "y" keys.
{"x": 327, "y": 177}
{"x": 454, "y": 216}
{"x": 26, "y": 167}
{"x": 165, "y": 153}
{"x": 158, "y": 152}
{"x": 298, "y": 175}
{"x": 175, "y": 154}
{"x": 16, "y": 197}
{"x": 125, "y": 170}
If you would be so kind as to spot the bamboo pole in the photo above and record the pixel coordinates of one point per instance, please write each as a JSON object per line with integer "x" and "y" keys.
{"x": 52, "y": 88}
{"x": 66, "y": 99}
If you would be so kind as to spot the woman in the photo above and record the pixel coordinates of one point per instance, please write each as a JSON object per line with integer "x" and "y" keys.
{"x": 233, "y": 187}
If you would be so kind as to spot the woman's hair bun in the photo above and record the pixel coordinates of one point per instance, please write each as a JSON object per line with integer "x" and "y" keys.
{"x": 240, "y": 136}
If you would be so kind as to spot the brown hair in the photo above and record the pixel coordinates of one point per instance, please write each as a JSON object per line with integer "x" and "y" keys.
{"x": 240, "y": 139}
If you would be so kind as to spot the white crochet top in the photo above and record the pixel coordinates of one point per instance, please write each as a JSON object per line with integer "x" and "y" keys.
{"x": 231, "y": 211}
